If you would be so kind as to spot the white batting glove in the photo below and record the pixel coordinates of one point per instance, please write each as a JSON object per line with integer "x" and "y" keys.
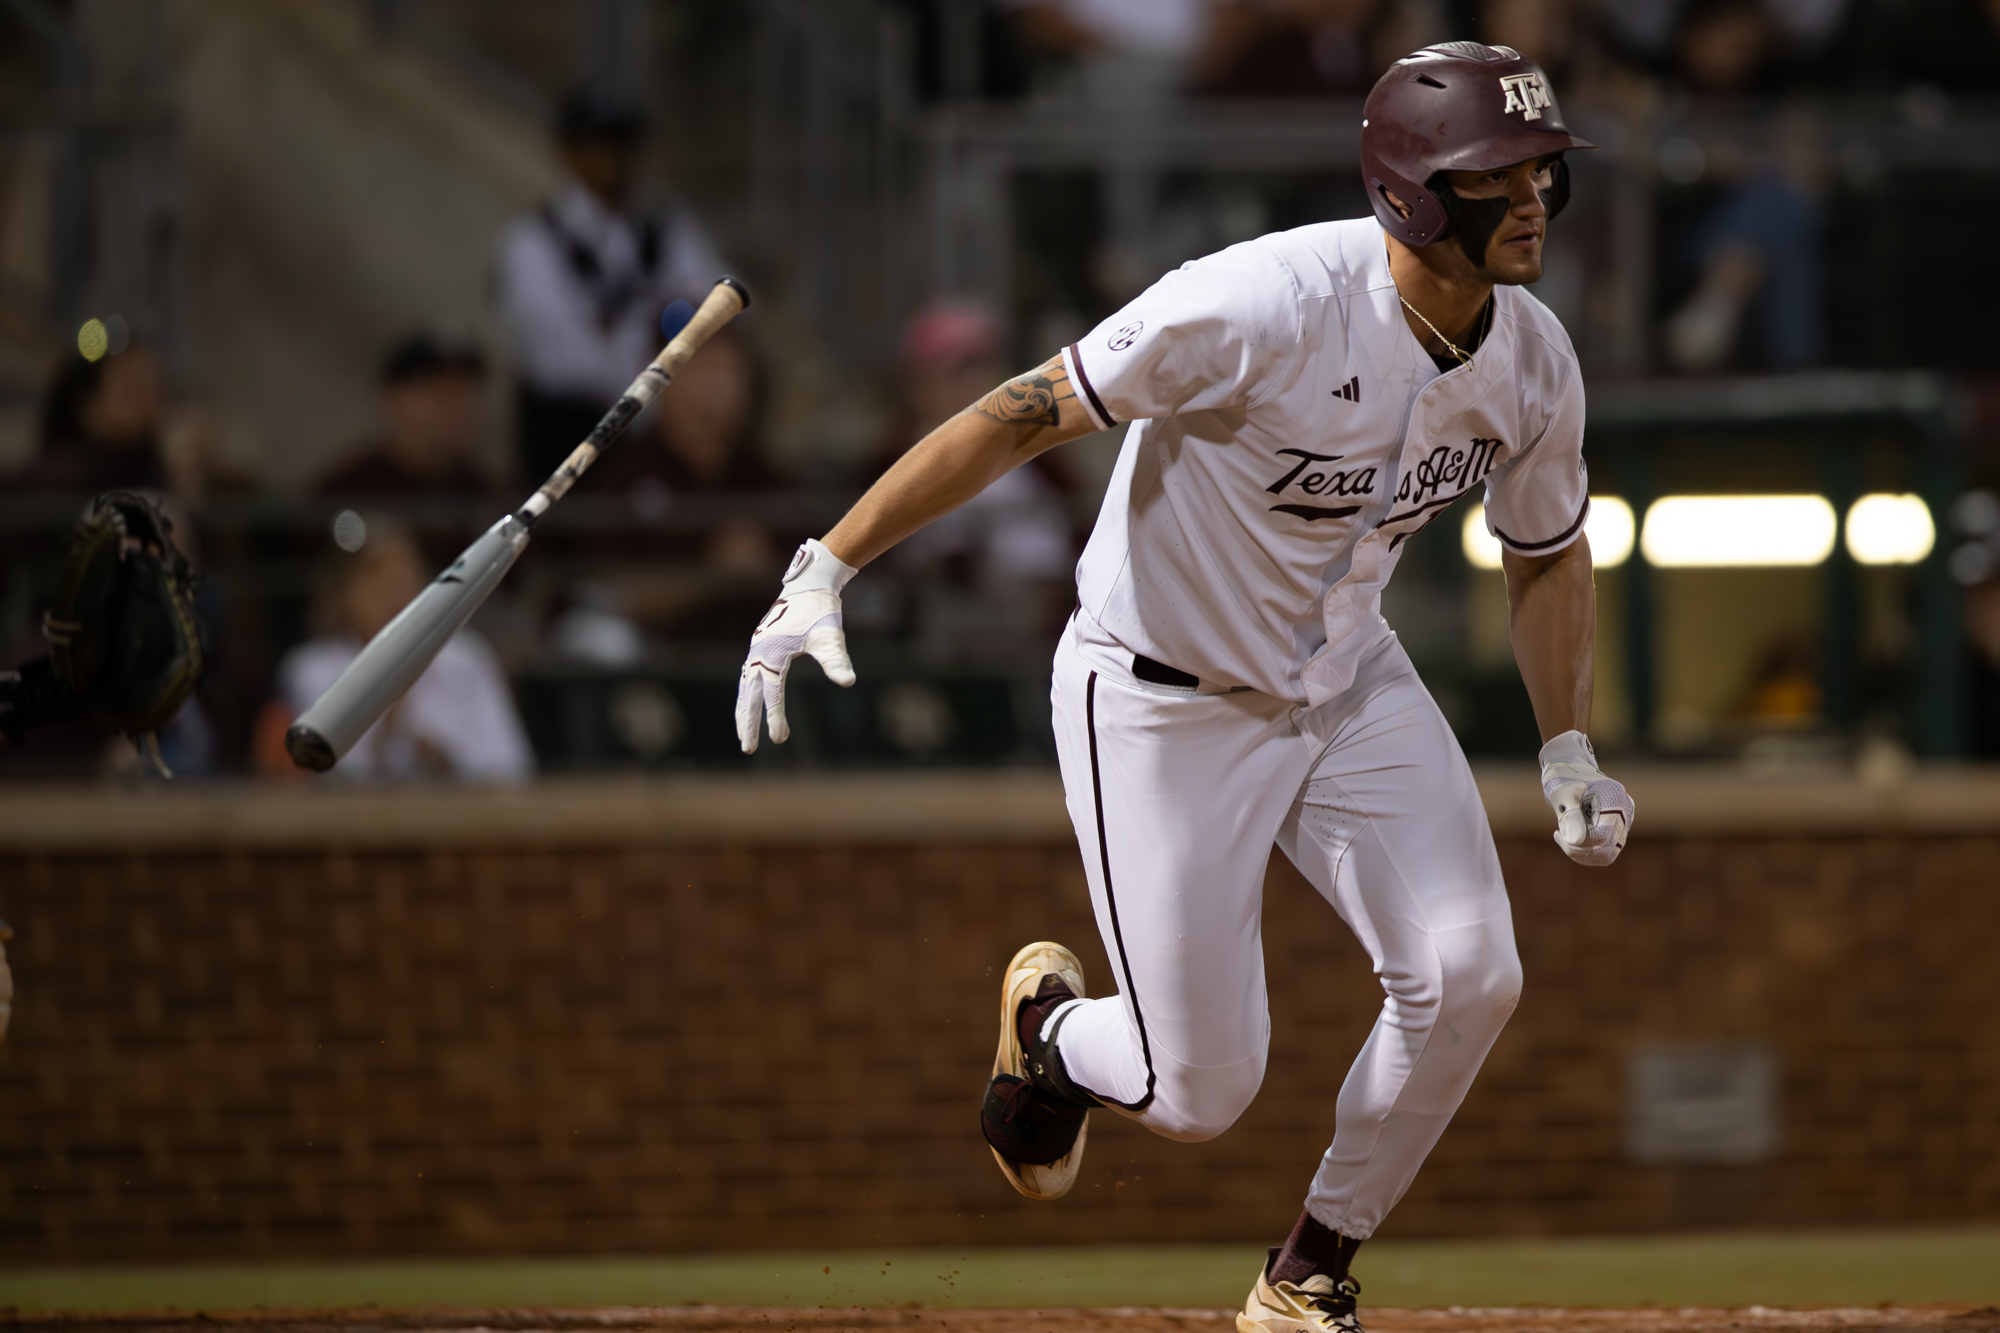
{"x": 1593, "y": 813}
{"x": 804, "y": 619}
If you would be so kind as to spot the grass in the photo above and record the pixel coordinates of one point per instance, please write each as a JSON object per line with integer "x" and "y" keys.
{"x": 1820, "y": 1268}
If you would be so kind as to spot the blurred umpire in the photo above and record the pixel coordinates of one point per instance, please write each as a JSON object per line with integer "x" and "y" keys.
{"x": 583, "y": 278}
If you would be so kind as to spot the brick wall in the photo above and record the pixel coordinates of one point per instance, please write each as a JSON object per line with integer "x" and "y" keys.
{"x": 641, "y": 1047}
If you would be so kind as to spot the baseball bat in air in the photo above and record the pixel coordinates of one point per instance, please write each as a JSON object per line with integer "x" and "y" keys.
{"x": 394, "y": 658}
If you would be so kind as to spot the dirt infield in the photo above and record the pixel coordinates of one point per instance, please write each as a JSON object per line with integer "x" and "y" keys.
{"x": 715, "y": 1318}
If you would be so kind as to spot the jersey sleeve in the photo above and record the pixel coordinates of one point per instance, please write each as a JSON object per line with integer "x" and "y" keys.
{"x": 1537, "y": 501}
{"x": 1219, "y": 332}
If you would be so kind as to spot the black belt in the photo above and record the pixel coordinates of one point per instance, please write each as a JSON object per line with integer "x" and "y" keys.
{"x": 1159, "y": 673}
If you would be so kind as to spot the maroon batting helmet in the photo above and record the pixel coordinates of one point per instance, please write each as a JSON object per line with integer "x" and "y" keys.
{"x": 1457, "y": 106}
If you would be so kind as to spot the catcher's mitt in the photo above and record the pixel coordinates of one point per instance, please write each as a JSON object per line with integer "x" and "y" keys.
{"x": 125, "y": 644}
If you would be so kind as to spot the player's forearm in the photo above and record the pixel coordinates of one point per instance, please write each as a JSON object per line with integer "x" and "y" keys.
{"x": 1552, "y": 609}
{"x": 1019, "y": 419}
{"x": 946, "y": 468}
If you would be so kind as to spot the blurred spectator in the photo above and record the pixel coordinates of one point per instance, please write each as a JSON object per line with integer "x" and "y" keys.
{"x": 1731, "y": 47}
{"x": 457, "y": 721}
{"x": 1785, "y": 693}
{"x": 106, "y": 424}
{"x": 1013, "y": 545}
{"x": 1925, "y": 47}
{"x": 1309, "y": 48}
{"x": 1982, "y": 633}
{"x": 1288, "y": 48}
{"x": 1975, "y": 565}
{"x": 1979, "y": 567}
{"x": 697, "y": 478}
{"x": 1757, "y": 250}
{"x": 1727, "y": 47}
{"x": 433, "y": 414}
{"x": 584, "y": 277}
{"x": 951, "y": 357}
{"x": 1542, "y": 30}
{"x": 1125, "y": 62}
{"x": 103, "y": 421}
{"x": 1168, "y": 31}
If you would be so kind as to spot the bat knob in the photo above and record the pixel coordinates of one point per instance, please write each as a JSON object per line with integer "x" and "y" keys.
{"x": 309, "y": 749}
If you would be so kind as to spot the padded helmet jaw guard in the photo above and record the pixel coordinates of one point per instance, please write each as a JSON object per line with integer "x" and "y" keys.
{"x": 1457, "y": 106}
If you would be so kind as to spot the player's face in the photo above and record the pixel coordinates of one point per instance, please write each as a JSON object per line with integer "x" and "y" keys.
{"x": 1514, "y": 254}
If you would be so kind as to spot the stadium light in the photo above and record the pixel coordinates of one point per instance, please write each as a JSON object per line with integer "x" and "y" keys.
{"x": 1482, "y": 548}
{"x": 1887, "y": 529}
{"x": 1712, "y": 531}
{"x": 1609, "y": 530}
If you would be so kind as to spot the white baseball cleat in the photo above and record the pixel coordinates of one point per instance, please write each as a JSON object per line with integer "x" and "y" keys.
{"x": 1034, "y": 1119}
{"x": 1320, "y": 1304}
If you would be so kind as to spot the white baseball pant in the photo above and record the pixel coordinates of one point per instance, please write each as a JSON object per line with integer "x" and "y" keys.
{"x": 1177, "y": 797}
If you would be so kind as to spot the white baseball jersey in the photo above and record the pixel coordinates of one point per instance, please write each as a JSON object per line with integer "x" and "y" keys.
{"x": 1290, "y": 434}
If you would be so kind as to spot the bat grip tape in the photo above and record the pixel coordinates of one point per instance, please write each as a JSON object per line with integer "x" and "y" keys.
{"x": 608, "y": 429}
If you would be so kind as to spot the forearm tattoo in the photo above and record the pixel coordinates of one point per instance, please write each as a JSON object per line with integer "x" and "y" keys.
{"x": 1036, "y": 398}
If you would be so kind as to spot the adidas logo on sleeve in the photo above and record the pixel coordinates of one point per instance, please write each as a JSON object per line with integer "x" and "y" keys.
{"x": 1351, "y": 390}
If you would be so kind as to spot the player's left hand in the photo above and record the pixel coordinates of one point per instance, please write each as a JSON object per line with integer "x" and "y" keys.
{"x": 1593, "y": 812}
{"x": 804, "y": 620}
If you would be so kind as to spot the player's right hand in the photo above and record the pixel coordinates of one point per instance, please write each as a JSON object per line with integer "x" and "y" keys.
{"x": 805, "y": 619}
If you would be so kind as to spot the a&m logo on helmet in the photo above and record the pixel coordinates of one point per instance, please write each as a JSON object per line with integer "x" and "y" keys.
{"x": 1527, "y": 94}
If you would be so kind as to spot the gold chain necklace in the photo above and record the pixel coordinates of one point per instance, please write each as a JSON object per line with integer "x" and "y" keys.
{"x": 1463, "y": 356}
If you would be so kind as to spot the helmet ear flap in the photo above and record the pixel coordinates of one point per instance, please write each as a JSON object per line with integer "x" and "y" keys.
{"x": 1419, "y": 222}
{"x": 1556, "y": 197}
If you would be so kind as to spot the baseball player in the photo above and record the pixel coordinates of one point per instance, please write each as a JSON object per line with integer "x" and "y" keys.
{"x": 1301, "y": 405}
